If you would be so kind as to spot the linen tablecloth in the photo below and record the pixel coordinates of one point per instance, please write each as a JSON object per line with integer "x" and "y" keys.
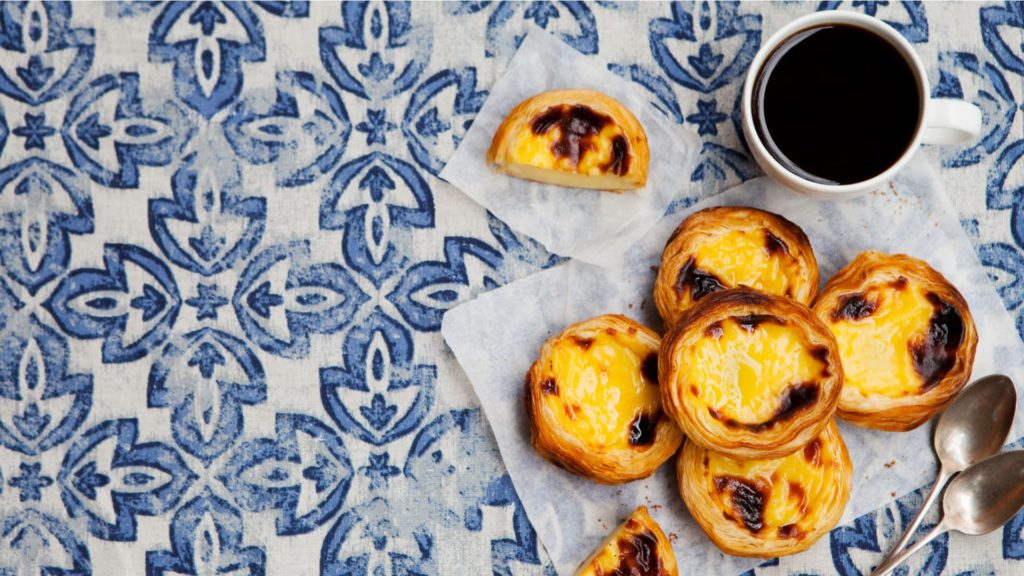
{"x": 226, "y": 254}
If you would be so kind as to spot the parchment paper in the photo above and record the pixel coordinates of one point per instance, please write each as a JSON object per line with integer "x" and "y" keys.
{"x": 497, "y": 336}
{"x": 589, "y": 225}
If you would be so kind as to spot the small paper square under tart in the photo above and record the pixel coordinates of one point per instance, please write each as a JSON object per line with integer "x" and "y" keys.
{"x": 906, "y": 337}
{"x": 732, "y": 246}
{"x": 637, "y": 547}
{"x": 593, "y": 402}
{"x": 749, "y": 374}
{"x": 767, "y": 507}
{"x": 574, "y": 138}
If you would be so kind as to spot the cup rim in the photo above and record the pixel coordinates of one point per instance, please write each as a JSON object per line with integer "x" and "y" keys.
{"x": 816, "y": 19}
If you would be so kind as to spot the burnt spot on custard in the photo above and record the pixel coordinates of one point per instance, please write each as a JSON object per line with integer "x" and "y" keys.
{"x": 714, "y": 330}
{"x": 638, "y": 556}
{"x": 934, "y": 353}
{"x": 774, "y": 245}
{"x": 790, "y": 531}
{"x": 812, "y": 452}
{"x": 796, "y": 491}
{"x": 618, "y": 164}
{"x": 748, "y": 500}
{"x": 794, "y": 399}
{"x": 854, "y": 307}
{"x": 643, "y": 429}
{"x": 582, "y": 342}
{"x": 649, "y": 367}
{"x": 578, "y": 126}
{"x": 549, "y": 386}
{"x": 750, "y": 322}
{"x": 697, "y": 282}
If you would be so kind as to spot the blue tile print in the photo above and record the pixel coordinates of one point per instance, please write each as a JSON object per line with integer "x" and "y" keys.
{"x": 207, "y": 537}
{"x": 224, "y": 145}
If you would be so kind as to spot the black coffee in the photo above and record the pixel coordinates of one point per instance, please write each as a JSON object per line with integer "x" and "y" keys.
{"x": 836, "y": 104}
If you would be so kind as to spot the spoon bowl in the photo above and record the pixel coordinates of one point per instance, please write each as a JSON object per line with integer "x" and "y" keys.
{"x": 987, "y": 495}
{"x": 977, "y": 423}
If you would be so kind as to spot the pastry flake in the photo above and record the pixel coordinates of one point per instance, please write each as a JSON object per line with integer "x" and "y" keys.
{"x": 731, "y": 246}
{"x": 906, "y": 337}
{"x": 593, "y": 401}
{"x": 575, "y": 138}
{"x": 637, "y": 547}
{"x": 768, "y": 507}
{"x": 749, "y": 374}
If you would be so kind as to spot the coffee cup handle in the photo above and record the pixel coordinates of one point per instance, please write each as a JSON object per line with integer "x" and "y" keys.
{"x": 951, "y": 122}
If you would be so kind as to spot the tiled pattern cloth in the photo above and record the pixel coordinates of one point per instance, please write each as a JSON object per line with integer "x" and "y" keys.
{"x": 226, "y": 255}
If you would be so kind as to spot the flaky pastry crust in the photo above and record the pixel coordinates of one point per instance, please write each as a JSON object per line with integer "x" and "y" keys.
{"x": 577, "y": 138}
{"x": 636, "y": 547}
{"x": 749, "y": 374}
{"x": 593, "y": 402}
{"x": 767, "y": 508}
{"x": 732, "y": 246}
{"x": 906, "y": 337}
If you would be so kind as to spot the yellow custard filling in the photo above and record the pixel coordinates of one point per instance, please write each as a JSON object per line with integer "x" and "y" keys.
{"x": 621, "y": 548}
{"x": 753, "y": 258}
{"x": 874, "y": 346}
{"x": 593, "y": 157}
{"x": 746, "y": 369}
{"x": 772, "y": 497}
{"x": 603, "y": 397}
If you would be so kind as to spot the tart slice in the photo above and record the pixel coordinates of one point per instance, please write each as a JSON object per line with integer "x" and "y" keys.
{"x": 749, "y": 374}
{"x": 637, "y": 547}
{"x": 768, "y": 507}
{"x": 906, "y": 338}
{"x": 732, "y": 246}
{"x": 575, "y": 138}
{"x": 593, "y": 402}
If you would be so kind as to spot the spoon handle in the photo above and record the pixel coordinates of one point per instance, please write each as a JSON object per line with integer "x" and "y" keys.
{"x": 898, "y": 559}
{"x": 940, "y": 483}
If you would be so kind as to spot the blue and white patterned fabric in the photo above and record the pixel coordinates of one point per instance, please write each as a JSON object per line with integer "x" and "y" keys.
{"x": 226, "y": 254}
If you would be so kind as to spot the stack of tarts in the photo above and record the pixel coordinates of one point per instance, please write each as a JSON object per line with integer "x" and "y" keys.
{"x": 753, "y": 369}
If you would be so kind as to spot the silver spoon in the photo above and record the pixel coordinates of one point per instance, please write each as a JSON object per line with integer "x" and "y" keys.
{"x": 972, "y": 428}
{"x": 979, "y": 500}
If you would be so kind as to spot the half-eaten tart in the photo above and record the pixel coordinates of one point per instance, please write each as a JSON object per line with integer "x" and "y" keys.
{"x": 576, "y": 138}
{"x": 906, "y": 338}
{"x": 749, "y": 374}
{"x": 767, "y": 507}
{"x": 637, "y": 547}
{"x": 593, "y": 402}
{"x": 731, "y": 246}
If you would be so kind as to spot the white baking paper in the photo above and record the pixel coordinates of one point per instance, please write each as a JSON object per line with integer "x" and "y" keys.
{"x": 497, "y": 336}
{"x": 589, "y": 225}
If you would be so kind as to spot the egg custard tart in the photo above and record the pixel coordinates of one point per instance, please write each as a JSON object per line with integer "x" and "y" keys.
{"x": 767, "y": 507}
{"x": 906, "y": 338}
{"x": 749, "y": 374}
{"x": 576, "y": 138}
{"x": 593, "y": 401}
{"x": 637, "y": 547}
{"x": 731, "y": 246}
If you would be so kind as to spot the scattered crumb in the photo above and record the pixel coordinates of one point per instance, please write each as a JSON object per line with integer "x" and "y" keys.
{"x": 643, "y": 304}
{"x": 656, "y": 507}
{"x": 630, "y": 306}
{"x": 654, "y": 268}
{"x": 618, "y": 492}
{"x": 890, "y": 464}
{"x": 893, "y": 494}
{"x": 672, "y": 536}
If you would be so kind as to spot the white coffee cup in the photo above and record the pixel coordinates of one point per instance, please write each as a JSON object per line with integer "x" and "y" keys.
{"x": 941, "y": 121}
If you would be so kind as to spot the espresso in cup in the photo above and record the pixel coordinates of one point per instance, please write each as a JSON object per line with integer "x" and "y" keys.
{"x": 836, "y": 104}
